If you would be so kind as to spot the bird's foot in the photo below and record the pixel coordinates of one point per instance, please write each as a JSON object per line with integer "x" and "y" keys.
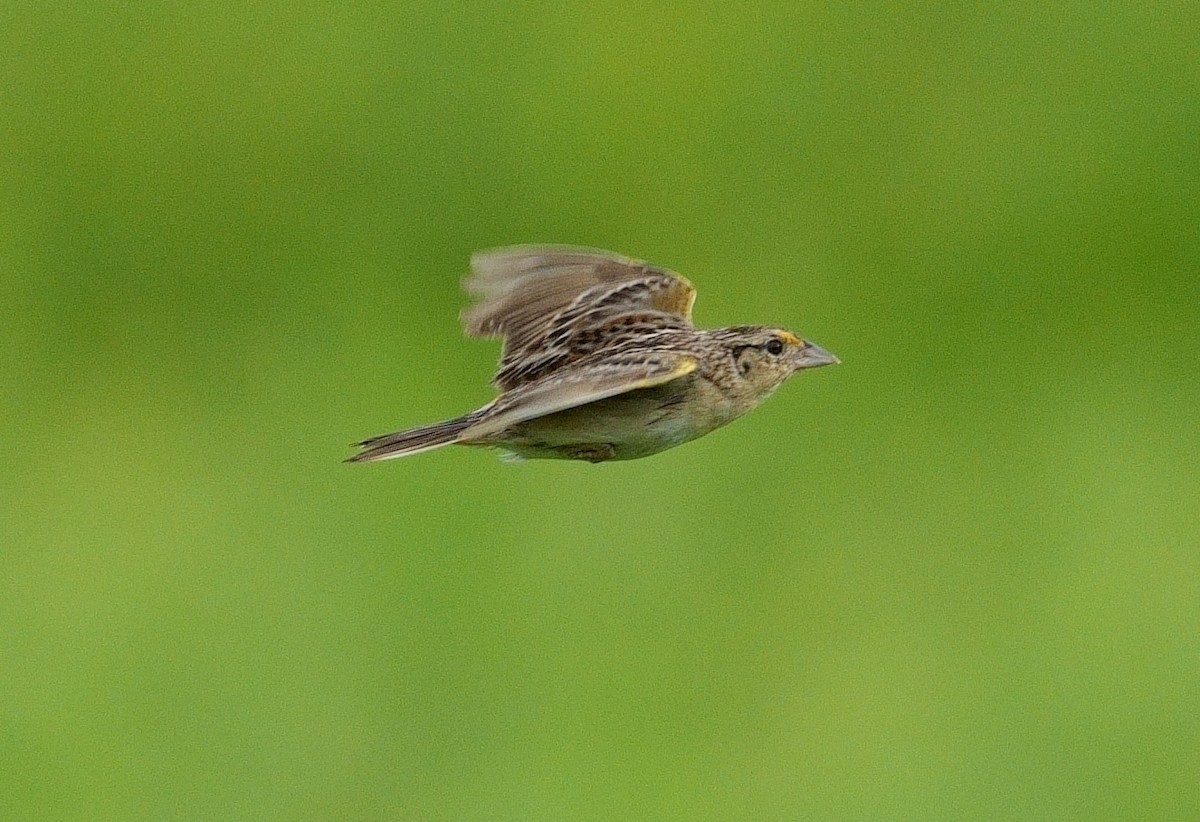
{"x": 592, "y": 452}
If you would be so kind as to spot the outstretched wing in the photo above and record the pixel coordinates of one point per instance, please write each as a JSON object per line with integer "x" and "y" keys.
{"x": 539, "y": 298}
{"x": 583, "y": 383}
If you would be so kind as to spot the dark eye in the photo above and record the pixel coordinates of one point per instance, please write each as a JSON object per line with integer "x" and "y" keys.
{"x": 775, "y": 347}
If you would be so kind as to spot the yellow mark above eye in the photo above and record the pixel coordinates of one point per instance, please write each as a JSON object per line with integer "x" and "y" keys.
{"x": 790, "y": 338}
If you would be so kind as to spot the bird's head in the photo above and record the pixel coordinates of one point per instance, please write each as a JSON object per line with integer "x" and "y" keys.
{"x": 764, "y": 357}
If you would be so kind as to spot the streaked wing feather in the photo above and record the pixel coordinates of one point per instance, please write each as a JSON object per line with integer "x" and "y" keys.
{"x": 522, "y": 289}
{"x": 585, "y": 383}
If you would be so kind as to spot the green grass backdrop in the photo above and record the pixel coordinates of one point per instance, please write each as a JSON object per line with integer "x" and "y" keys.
{"x": 957, "y": 577}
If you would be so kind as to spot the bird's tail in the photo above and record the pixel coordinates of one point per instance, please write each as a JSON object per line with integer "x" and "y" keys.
{"x": 413, "y": 440}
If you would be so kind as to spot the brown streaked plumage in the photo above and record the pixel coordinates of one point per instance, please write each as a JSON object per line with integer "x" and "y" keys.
{"x": 601, "y": 360}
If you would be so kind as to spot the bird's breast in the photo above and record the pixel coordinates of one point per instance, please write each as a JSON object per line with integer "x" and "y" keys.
{"x": 636, "y": 424}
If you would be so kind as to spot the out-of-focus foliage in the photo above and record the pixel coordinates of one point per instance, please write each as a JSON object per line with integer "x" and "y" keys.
{"x": 957, "y": 577}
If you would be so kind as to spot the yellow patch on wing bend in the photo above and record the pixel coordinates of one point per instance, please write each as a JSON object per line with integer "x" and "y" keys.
{"x": 685, "y": 367}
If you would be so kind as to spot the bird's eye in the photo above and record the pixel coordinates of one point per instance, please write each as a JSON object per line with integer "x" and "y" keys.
{"x": 775, "y": 347}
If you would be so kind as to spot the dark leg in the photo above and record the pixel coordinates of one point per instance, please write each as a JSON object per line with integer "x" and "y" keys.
{"x": 592, "y": 452}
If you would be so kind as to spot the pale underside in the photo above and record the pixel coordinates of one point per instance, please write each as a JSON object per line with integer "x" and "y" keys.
{"x": 621, "y": 414}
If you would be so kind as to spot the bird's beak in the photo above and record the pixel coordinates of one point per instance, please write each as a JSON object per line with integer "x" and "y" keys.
{"x": 812, "y": 355}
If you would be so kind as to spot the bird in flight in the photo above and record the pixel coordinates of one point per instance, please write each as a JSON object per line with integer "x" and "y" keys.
{"x": 601, "y": 361}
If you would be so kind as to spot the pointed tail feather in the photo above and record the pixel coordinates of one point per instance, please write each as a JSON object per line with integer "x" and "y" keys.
{"x": 412, "y": 440}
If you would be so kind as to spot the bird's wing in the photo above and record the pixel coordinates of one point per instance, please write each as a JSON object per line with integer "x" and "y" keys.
{"x": 580, "y": 385}
{"x": 536, "y": 297}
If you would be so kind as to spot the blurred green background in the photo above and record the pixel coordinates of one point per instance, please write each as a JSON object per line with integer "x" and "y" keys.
{"x": 957, "y": 577}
